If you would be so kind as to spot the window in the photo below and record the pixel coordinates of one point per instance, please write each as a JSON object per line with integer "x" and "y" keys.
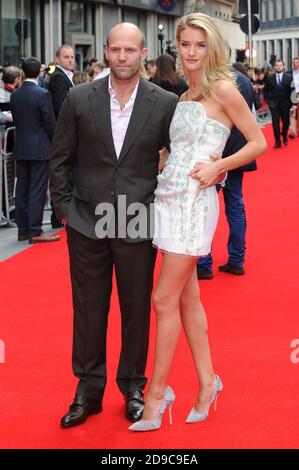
{"x": 264, "y": 11}
{"x": 74, "y": 17}
{"x": 279, "y": 49}
{"x": 271, "y": 10}
{"x": 131, "y": 16}
{"x": 264, "y": 51}
{"x": 137, "y": 17}
{"x": 289, "y": 53}
{"x": 287, "y": 8}
{"x": 142, "y": 21}
{"x": 278, "y": 9}
{"x": 15, "y": 32}
{"x": 271, "y": 47}
{"x": 110, "y": 19}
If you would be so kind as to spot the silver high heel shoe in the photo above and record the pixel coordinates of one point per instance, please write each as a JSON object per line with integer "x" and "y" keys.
{"x": 154, "y": 424}
{"x": 196, "y": 416}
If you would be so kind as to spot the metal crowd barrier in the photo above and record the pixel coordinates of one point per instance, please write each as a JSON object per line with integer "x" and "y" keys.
{"x": 7, "y": 176}
{"x": 263, "y": 114}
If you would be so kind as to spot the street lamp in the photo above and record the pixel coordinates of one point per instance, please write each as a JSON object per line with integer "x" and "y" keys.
{"x": 161, "y": 37}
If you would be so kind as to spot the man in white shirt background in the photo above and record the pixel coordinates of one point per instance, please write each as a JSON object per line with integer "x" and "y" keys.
{"x": 60, "y": 82}
{"x": 294, "y": 121}
{"x": 61, "y": 79}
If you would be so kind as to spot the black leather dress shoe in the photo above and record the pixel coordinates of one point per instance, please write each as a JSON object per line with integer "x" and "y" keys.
{"x": 228, "y": 268}
{"x": 22, "y": 238}
{"x": 80, "y": 409}
{"x": 134, "y": 405}
{"x": 204, "y": 274}
{"x": 277, "y": 145}
{"x": 285, "y": 141}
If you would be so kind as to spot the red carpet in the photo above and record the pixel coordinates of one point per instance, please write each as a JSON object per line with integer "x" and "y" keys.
{"x": 252, "y": 321}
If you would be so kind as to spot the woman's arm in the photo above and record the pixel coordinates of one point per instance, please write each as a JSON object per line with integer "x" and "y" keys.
{"x": 236, "y": 108}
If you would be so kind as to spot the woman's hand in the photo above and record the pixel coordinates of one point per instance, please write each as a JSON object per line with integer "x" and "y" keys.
{"x": 197, "y": 174}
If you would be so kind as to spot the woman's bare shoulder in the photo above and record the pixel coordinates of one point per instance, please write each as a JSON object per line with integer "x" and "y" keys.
{"x": 222, "y": 87}
{"x": 227, "y": 92}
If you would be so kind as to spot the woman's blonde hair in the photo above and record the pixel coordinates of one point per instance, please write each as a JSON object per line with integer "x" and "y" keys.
{"x": 216, "y": 65}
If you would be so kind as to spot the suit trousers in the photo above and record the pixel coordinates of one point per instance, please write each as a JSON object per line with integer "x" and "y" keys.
{"x": 91, "y": 267}
{"x": 31, "y": 192}
{"x": 278, "y": 113}
{"x": 236, "y": 218}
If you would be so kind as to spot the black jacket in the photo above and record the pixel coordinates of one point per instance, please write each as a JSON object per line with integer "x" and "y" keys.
{"x": 236, "y": 140}
{"x": 59, "y": 85}
{"x": 179, "y": 89}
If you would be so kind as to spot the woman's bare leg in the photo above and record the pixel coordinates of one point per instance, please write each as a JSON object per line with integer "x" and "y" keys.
{"x": 175, "y": 272}
{"x": 196, "y": 329}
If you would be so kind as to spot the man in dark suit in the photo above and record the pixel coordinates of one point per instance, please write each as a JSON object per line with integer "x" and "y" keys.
{"x": 61, "y": 79}
{"x": 33, "y": 116}
{"x": 59, "y": 84}
{"x": 233, "y": 199}
{"x": 277, "y": 92}
{"x": 106, "y": 155}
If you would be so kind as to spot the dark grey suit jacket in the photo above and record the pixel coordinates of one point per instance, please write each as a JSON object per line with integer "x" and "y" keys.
{"x": 85, "y": 170}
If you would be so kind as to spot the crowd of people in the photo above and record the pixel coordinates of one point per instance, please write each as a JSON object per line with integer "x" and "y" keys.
{"x": 164, "y": 71}
{"x": 156, "y": 133}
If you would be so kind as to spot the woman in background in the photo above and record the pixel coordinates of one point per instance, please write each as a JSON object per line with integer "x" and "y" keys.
{"x": 166, "y": 76}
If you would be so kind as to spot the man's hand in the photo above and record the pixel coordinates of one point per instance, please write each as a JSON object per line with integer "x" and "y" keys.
{"x": 164, "y": 154}
{"x": 64, "y": 221}
{"x": 9, "y": 116}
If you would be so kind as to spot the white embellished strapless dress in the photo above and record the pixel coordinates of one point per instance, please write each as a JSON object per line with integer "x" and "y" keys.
{"x": 185, "y": 215}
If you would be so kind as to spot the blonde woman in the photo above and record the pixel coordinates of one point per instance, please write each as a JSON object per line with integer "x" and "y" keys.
{"x": 186, "y": 209}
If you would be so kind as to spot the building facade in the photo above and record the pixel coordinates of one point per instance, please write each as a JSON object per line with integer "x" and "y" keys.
{"x": 38, "y": 27}
{"x": 278, "y": 36}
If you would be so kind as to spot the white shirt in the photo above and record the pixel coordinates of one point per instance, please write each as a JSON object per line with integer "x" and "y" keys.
{"x": 120, "y": 118}
{"x": 296, "y": 79}
{"x": 68, "y": 73}
{"x": 31, "y": 80}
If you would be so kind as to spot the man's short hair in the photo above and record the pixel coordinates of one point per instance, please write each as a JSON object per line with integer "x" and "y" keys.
{"x": 279, "y": 60}
{"x": 31, "y": 67}
{"x": 10, "y": 73}
{"x": 63, "y": 46}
